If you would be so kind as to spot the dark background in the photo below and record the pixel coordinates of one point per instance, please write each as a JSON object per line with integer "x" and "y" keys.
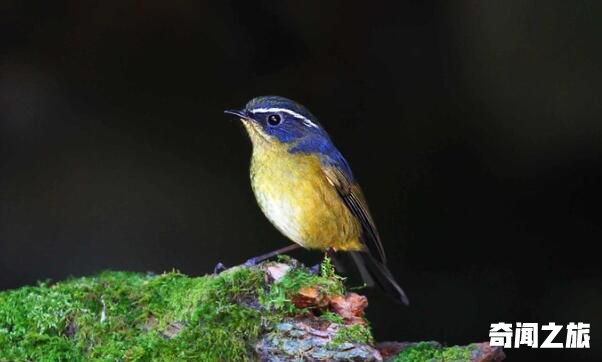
{"x": 474, "y": 128}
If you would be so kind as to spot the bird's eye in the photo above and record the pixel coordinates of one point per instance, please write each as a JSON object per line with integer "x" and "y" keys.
{"x": 274, "y": 119}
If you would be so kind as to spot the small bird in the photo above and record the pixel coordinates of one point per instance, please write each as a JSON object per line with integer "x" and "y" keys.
{"x": 305, "y": 187}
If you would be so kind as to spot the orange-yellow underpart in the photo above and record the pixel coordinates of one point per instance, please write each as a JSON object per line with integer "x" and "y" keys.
{"x": 297, "y": 198}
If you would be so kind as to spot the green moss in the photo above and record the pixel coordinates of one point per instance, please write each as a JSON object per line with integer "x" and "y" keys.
{"x": 425, "y": 352}
{"x": 64, "y": 322}
{"x": 279, "y": 296}
{"x": 135, "y": 317}
{"x": 355, "y": 333}
{"x": 332, "y": 317}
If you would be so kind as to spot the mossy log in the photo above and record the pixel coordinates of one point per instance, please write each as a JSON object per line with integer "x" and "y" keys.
{"x": 276, "y": 311}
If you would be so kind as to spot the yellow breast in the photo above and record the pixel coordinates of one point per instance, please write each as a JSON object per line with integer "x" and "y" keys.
{"x": 297, "y": 198}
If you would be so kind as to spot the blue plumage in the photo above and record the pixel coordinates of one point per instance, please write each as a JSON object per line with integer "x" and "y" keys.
{"x": 279, "y": 102}
{"x": 298, "y": 127}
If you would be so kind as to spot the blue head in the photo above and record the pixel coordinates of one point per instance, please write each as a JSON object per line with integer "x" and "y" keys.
{"x": 273, "y": 120}
{"x": 281, "y": 120}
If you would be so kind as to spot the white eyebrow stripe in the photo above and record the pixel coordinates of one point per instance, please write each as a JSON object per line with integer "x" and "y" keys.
{"x": 287, "y": 111}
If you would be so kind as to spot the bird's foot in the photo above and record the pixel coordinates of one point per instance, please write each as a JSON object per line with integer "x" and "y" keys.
{"x": 251, "y": 262}
{"x": 315, "y": 270}
{"x": 219, "y": 267}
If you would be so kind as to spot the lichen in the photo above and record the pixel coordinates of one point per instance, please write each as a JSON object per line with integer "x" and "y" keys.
{"x": 433, "y": 352}
{"x": 141, "y": 317}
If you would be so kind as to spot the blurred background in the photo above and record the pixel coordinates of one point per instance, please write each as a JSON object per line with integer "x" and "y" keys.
{"x": 474, "y": 128}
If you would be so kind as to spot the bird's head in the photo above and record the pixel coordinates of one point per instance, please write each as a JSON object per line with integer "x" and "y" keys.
{"x": 274, "y": 120}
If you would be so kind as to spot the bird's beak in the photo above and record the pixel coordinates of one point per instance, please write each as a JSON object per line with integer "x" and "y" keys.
{"x": 237, "y": 113}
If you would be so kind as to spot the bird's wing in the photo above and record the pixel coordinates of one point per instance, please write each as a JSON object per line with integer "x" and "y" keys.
{"x": 352, "y": 196}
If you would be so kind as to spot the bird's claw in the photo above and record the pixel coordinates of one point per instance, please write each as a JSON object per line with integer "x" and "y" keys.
{"x": 314, "y": 270}
{"x": 219, "y": 267}
{"x": 250, "y": 262}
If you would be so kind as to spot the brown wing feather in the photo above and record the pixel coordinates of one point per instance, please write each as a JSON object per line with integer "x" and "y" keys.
{"x": 352, "y": 196}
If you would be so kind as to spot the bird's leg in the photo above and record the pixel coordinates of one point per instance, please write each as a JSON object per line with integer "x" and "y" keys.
{"x": 254, "y": 261}
{"x": 328, "y": 253}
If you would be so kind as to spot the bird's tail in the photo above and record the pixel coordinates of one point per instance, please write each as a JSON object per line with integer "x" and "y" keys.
{"x": 374, "y": 272}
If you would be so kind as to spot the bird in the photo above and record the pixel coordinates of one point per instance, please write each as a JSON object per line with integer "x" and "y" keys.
{"x": 306, "y": 189}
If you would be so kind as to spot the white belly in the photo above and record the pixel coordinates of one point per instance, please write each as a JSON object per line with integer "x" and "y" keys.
{"x": 282, "y": 212}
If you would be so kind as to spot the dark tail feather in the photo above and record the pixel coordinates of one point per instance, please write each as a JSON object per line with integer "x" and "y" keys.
{"x": 376, "y": 273}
